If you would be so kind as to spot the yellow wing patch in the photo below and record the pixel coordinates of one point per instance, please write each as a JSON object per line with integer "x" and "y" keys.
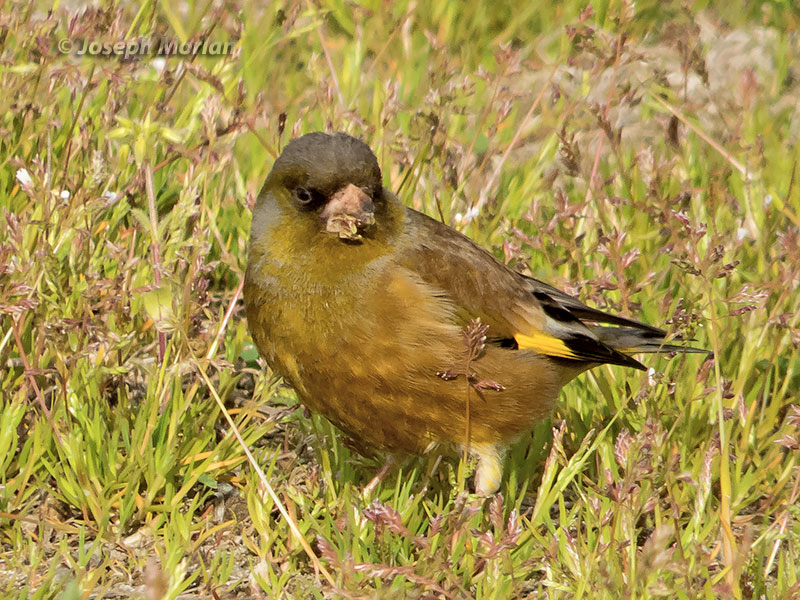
{"x": 544, "y": 343}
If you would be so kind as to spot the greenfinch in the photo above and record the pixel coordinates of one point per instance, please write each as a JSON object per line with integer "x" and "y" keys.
{"x": 361, "y": 304}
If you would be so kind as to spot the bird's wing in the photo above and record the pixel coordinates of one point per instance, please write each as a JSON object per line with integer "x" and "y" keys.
{"x": 520, "y": 311}
{"x": 548, "y": 293}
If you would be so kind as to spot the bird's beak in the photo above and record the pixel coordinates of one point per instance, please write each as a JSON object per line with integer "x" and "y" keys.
{"x": 348, "y": 212}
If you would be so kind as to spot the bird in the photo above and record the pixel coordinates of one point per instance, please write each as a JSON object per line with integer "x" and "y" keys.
{"x": 403, "y": 332}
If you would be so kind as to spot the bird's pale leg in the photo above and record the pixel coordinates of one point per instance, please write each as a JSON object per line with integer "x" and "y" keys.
{"x": 489, "y": 473}
{"x": 379, "y": 476}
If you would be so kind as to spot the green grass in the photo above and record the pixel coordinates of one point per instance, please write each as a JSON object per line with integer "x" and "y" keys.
{"x": 641, "y": 156}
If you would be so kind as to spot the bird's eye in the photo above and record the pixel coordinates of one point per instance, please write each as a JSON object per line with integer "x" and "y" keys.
{"x": 303, "y": 195}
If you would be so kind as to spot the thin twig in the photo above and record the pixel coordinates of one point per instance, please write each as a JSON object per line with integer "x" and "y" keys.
{"x": 212, "y": 349}
{"x": 706, "y": 138}
{"x": 293, "y": 526}
{"x": 154, "y": 245}
{"x": 29, "y": 374}
{"x": 328, "y": 59}
{"x": 484, "y": 196}
{"x": 68, "y": 151}
{"x": 784, "y": 521}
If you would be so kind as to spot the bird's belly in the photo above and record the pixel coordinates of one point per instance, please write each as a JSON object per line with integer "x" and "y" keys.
{"x": 397, "y": 400}
{"x": 371, "y": 363}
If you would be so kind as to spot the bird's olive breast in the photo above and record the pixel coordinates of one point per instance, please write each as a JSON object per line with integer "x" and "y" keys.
{"x": 305, "y": 289}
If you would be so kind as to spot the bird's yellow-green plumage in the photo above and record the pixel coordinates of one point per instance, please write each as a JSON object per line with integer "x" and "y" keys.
{"x": 360, "y": 303}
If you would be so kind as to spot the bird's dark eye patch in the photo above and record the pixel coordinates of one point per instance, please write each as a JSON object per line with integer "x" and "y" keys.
{"x": 308, "y": 198}
{"x": 303, "y": 195}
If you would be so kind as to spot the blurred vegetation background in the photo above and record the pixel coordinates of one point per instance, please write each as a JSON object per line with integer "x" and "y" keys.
{"x": 640, "y": 155}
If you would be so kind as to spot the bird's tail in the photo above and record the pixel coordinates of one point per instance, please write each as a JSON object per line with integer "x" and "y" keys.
{"x": 631, "y": 340}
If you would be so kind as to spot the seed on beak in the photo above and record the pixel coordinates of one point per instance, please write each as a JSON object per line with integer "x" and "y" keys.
{"x": 348, "y": 212}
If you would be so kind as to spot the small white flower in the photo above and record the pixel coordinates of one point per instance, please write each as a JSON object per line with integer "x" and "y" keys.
{"x": 767, "y": 199}
{"x": 158, "y": 63}
{"x": 472, "y": 213}
{"x": 64, "y": 195}
{"x": 741, "y": 233}
{"x": 24, "y": 178}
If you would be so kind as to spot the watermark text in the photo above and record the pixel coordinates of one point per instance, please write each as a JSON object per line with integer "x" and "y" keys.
{"x": 128, "y": 49}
